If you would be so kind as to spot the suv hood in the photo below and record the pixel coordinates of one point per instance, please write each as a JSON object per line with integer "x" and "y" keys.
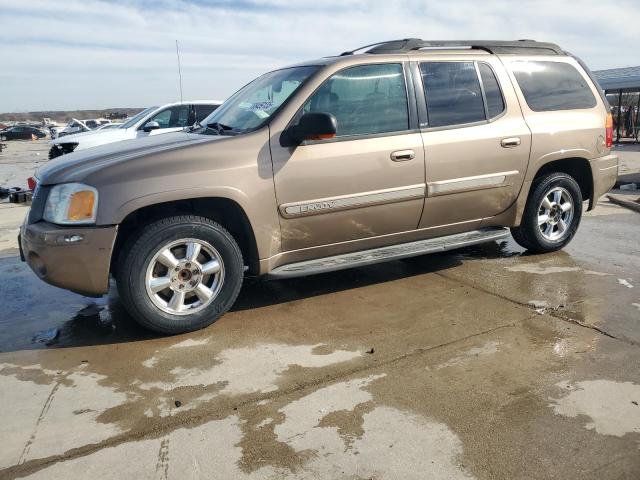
{"x": 76, "y": 166}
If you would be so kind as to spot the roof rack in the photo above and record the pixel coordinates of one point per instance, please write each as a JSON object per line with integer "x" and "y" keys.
{"x": 523, "y": 47}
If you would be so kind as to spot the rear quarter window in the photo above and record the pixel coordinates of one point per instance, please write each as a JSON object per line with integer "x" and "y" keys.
{"x": 550, "y": 86}
{"x": 493, "y": 95}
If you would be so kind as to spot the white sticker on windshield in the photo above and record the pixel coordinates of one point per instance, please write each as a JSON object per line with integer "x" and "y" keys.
{"x": 255, "y": 107}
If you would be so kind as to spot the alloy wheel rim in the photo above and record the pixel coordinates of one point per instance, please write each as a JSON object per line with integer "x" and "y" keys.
{"x": 555, "y": 213}
{"x": 184, "y": 276}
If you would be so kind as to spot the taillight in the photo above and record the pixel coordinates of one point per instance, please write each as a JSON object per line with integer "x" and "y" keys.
{"x": 31, "y": 182}
{"x": 609, "y": 131}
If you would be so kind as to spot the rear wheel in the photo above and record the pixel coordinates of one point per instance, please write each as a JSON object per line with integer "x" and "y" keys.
{"x": 552, "y": 214}
{"x": 180, "y": 274}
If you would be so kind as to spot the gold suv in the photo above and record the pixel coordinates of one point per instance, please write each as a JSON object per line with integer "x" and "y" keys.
{"x": 408, "y": 148}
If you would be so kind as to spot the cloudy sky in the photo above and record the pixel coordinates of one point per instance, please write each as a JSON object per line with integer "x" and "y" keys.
{"x": 73, "y": 54}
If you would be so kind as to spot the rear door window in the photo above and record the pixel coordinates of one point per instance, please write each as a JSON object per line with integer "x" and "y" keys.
{"x": 366, "y": 99}
{"x": 549, "y": 86}
{"x": 452, "y": 92}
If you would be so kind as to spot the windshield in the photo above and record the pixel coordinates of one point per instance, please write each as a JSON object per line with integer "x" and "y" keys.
{"x": 133, "y": 120}
{"x": 253, "y": 104}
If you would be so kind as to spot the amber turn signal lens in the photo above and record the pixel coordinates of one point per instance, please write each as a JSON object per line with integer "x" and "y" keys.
{"x": 81, "y": 206}
{"x": 324, "y": 136}
{"x": 609, "y": 131}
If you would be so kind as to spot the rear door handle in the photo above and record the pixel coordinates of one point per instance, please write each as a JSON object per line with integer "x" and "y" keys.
{"x": 510, "y": 142}
{"x": 403, "y": 155}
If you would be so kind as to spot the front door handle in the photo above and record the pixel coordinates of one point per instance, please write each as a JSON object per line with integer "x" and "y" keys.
{"x": 403, "y": 155}
{"x": 510, "y": 142}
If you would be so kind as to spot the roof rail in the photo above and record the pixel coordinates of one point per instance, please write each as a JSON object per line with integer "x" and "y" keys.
{"x": 522, "y": 47}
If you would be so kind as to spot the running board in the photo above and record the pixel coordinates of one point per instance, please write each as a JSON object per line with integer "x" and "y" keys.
{"x": 392, "y": 252}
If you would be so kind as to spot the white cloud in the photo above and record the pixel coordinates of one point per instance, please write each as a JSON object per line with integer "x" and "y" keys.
{"x": 94, "y": 53}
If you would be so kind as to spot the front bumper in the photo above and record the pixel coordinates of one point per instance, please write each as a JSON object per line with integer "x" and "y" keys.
{"x": 604, "y": 171}
{"x": 77, "y": 259}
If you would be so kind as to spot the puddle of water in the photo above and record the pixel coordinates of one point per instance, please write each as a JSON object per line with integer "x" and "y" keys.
{"x": 30, "y": 306}
{"x": 190, "y": 342}
{"x": 207, "y": 451}
{"x": 48, "y": 337}
{"x": 540, "y": 269}
{"x": 538, "y": 303}
{"x": 561, "y": 347}
{"x": 151, "y": 362}
{"x": 390, "y": 444}
{"x": 625, "y": 283}
{"x": 609, "y": 405}
{"x": 599, "y": 274}
{"x": 488, "y": 348}
{"x": 250, "y": 369}
{"x": 385, "y": 442}
{"x": 265, "y": 422}
{"x": 48, "y": 403}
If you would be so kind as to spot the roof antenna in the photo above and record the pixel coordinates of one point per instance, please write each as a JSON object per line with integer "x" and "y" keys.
{"x": 179, "y": 71}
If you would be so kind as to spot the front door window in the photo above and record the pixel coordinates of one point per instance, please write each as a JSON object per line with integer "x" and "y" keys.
{"x": 366, "y": 99}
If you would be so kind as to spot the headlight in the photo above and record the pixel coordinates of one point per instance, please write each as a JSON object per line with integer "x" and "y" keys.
{"x": 71, "y": 204}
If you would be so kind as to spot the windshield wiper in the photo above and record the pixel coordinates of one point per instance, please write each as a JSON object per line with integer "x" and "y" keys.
{"x": 195, "y": 126}
{"x": 219, "y": 128}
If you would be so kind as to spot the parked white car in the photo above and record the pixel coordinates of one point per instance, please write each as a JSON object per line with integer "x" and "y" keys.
{"x": 151, "y": 121}
{"x": 78, "y": 126}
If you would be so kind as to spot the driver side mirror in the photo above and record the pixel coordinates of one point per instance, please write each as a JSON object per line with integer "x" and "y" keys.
{"x": 312, "y": 126}
{"x": 151, "y": 126}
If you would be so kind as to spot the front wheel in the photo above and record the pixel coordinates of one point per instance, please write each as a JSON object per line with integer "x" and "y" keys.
{"x": 179, "y": 274}
{"x": 552, "y": 214}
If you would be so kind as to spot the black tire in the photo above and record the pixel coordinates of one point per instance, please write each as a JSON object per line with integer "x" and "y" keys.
{"x": 528, "y": 234}
{"x": 138, "y": 253}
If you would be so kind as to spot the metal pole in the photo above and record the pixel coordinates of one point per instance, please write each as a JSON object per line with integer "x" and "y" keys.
{"x": 180, "y": 71}
{"x": 637, "y": 122}
{"x": 619, "y": 115}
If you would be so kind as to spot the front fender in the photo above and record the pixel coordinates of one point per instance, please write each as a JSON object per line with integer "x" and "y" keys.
{"x": 134, "y": 204}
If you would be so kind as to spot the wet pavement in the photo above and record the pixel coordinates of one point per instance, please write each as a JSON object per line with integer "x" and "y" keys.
{"x": 20, "y": 159}
{"x": 481, "y": 363}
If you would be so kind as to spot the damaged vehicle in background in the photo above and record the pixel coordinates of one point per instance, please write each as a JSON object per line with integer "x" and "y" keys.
{"x": 151, "y": 121}
{"x": 78, "y": 126}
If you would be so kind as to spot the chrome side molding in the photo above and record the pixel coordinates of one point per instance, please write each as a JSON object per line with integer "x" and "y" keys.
{"x": 345, "y": 202}
{"x": 466, "y": 184}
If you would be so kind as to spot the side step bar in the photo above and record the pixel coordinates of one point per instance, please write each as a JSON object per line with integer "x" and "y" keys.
{"x": 392, "y": 252}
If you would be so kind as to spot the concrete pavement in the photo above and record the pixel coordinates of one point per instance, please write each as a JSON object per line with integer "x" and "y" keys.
{"x": 480, "y": 363}
{"x": 483, "y": 363}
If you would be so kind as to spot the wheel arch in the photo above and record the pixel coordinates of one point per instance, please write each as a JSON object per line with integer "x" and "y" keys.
{"x": 578, "y": 167}
{"x": 223, "y": 210}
